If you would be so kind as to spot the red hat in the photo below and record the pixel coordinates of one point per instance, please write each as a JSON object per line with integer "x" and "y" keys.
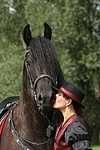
{"x": 72, "y": 92}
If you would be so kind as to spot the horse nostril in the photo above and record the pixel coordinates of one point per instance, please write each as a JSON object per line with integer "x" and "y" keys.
{"x": 45, "y": 97}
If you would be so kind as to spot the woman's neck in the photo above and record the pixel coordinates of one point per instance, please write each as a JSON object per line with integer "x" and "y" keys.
{"x": 67, "y": 113}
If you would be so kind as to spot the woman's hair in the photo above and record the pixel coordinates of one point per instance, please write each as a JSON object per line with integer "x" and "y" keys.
{"x": 77, "y": 108}
{"x": 75, "y": 104}
{"x": 65, "y": 96}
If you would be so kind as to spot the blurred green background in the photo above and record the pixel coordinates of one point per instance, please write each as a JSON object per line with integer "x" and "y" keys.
{"x": 96, "y": 147}
{"x": 75, "y": 35}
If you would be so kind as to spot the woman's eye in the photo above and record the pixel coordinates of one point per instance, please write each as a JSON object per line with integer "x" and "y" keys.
{"x": 60, "y": 94}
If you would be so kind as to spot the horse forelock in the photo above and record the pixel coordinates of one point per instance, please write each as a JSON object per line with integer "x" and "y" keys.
{"x": 43, "y": 51}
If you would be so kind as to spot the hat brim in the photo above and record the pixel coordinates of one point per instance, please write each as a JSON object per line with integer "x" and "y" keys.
{"x": 80, "y": 105}
{"x": 56, "y": 90}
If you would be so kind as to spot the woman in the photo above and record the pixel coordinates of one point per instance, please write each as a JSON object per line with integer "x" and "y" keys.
{"x": 72, "y": 132}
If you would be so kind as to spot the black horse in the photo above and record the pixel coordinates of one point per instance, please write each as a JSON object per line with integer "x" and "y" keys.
{"x": 31, "y": 113}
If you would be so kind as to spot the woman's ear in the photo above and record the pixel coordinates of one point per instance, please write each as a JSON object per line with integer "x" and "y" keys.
{"x": 68, "y": 102}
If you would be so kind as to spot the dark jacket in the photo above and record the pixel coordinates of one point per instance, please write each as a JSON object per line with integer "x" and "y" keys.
{"x": 73, "y": 135}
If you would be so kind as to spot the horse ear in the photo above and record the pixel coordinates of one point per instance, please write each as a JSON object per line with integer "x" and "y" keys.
{"x": 27, "y": 35}
{"x": 47, "y": 31}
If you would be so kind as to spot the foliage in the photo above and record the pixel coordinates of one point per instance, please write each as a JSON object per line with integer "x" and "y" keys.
{"x": 11, "y": 70}
{"x": 96, "y": 147}
{"x": 12, "y": 19}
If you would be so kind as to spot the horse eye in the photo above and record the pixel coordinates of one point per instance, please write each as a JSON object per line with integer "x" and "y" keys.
{"x": 28, "y": 62}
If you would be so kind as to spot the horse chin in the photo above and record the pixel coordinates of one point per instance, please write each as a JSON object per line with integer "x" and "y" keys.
{"x": 47, "y": 108}
{"x": 44, "y": 107}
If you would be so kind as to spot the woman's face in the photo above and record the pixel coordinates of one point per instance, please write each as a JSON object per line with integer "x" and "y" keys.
{"x": 60, "y": 102}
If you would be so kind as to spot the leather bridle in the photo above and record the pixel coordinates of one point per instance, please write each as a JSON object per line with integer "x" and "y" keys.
{"x": 34, "y": 84}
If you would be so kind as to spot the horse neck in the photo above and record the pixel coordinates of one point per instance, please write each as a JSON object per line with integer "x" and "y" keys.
{"x": 28, "y": 118}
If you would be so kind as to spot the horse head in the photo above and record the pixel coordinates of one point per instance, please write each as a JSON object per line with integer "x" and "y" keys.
{"x": 41, "y": 68}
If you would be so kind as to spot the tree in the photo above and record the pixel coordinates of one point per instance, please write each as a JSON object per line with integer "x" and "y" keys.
{"x": 83, "y": 44}
{"x": 11, "y": 47}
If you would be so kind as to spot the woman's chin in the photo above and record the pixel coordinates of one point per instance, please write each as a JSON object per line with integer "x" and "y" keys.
{"x": 54, "y": 106}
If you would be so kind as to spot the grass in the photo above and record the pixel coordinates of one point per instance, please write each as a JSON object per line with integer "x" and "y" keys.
{"x": 96, "y": 147}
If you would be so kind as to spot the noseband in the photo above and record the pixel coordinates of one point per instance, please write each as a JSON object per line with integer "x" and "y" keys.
{"x": 40, "y": 77}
